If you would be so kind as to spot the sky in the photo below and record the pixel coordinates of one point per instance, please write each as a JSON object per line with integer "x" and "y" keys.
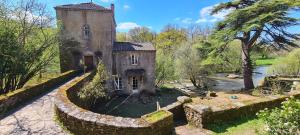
{"x": 155, "y": 14}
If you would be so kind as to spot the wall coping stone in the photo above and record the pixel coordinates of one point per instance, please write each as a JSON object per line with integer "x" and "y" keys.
{"x": 184, "y": 99}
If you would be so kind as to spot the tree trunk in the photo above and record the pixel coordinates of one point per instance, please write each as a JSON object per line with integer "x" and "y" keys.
{"x": 247, "y": 67}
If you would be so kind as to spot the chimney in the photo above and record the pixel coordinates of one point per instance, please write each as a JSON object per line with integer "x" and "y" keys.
{"x": 112, "y": 8}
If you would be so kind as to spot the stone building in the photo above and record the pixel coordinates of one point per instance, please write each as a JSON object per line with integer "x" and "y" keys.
{"x": 90, "y": 30}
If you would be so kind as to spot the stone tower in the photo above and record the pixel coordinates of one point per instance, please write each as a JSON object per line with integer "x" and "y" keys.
{"x": 88, "y": 32}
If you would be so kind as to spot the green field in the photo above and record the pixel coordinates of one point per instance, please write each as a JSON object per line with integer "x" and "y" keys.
{"x": 263, "y": 62}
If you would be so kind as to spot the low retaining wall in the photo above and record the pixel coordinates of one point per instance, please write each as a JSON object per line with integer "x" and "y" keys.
{"x": 84, "y": 122}
{"x": 176, "y": 108}
{"x": 20, "y": 96}
{"x": 201, "y": 116}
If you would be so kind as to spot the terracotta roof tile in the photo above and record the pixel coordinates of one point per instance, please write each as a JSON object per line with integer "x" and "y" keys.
{"x": 128, "y": 46}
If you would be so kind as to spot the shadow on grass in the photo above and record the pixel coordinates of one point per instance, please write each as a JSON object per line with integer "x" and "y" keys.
{"x": 137, "y": 106}
{"x": 223, "y": 127}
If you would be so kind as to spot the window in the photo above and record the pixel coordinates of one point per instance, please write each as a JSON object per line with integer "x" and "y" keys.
{"x": 86, "y": 31}
{"x": 118, "y": 83}
{"x": 133, "y": 60}
{"x": 134, "y": 83}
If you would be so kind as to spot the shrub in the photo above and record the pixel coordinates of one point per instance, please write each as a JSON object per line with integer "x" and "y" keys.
{"x": 96, "y": 88}
{"x": 289, "y": 65}
{"x": 284, "y": 120}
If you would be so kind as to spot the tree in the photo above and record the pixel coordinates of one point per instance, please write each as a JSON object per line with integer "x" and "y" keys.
{"x": 122, "y": 37}
{"x": 188, "y": 63}
{"x": 164, "y": 69}
{"x": 256, "y": 22}
{"x": 169, "y": 39}
{"x": 141, "y": 35}
{"x": 96, "y": 88}
{"x": 26, "y": 42}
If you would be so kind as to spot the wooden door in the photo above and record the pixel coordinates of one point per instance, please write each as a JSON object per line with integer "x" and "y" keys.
{"x": 89, "y": 62}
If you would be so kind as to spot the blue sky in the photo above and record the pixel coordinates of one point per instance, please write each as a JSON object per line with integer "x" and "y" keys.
{"x": 155, "y": 14}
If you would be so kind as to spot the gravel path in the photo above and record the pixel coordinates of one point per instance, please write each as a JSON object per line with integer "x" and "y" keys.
{"x": 34, "y": 118}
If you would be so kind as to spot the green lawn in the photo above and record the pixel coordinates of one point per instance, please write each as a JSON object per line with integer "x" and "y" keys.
{"x": 244, "y": 126}
{"x": 263, "y": 62}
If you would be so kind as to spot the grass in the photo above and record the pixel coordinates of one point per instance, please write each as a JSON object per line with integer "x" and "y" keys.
{"x": 243, "y": 126}
{"x": 153, "y": 117}
{"x": 263, "y": 62}
{"x": 56, "y": 120}
{"x": 39, "y": 79}
{"x": 134, "y": 108}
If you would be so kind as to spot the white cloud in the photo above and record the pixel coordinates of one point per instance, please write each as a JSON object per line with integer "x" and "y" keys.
{"x": 126, "y": 7}
{"x": 201, "y": 20}
{"x": 187, "y": 20}
{"x": 205, "y": 15}
{"x": 30, "y": 17}
{"x": 127, "y": 25}
{"x": 184, "y": 20}
{"x": 150, "y": 27}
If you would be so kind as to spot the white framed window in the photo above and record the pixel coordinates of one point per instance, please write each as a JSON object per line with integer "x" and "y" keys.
{"x": 133, "y": 59}
{"x": 118, "y": 83}
{"x": 134, "y": 83}
{"x": 86, "y": 31}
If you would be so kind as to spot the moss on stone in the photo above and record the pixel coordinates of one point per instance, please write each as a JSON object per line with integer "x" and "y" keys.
{"x": 156, "y": 116}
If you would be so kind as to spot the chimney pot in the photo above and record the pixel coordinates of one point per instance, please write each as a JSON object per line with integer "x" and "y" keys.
{"x": 112, "y": 8}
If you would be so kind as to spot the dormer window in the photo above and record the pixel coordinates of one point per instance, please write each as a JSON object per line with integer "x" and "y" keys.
{"x": 86, "y": 31}
{"x": 134, "y": 59}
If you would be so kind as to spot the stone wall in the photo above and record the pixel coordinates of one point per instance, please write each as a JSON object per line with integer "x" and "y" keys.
{"x": 176, "y": 108}
{"x": 146, "y": 61}
{"x": 101, "y": 38}
{"x": 20, "y": 96}
{"x": 201, "y": 116}
{"x": 84, "y": 122}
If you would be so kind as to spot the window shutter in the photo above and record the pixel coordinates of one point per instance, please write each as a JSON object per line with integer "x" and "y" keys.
{"x": 129, "y": 60}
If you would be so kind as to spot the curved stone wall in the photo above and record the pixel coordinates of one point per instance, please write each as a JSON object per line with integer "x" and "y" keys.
{"x": 84, "y": 122}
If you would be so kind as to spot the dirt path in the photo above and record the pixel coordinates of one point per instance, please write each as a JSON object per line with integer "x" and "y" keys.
{"x": 36, "y": 117}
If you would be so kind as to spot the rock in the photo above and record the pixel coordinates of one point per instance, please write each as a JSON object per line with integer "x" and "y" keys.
{"x": 233, "y": 76}
{"x": 296, "y": 83}
{"x": 261, "y": 83}
{"x": 213, "y": 94}
{"x": 184, "y": 99}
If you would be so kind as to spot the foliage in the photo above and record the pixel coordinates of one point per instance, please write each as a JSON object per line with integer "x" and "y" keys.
{"x": 227, "y": 60}
{"x": 140, "y": 35}
{"x": 284, "y": 120}
{"x": 164, "y": 69}
{"x": 96, "y": 88}
{"x": 122, "y": 37}
{"x": 289, "y": 65}
{"x": 255, "y": 22}
{"x": 170, "y": 39}
{"x": 25, "y": 42}
{"x": 188, "y": 63}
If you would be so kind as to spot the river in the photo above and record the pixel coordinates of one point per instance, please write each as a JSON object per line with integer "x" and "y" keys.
{"x": 223, "y": 83}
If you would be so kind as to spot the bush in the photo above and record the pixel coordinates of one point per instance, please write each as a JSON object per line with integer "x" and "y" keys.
{"x": 289, "y": 65}
{"x": 284, "y": 120}
{"x": 96, "y": 89}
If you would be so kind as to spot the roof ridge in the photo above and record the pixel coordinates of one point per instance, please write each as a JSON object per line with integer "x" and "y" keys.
{"x": 86, "y": 5}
